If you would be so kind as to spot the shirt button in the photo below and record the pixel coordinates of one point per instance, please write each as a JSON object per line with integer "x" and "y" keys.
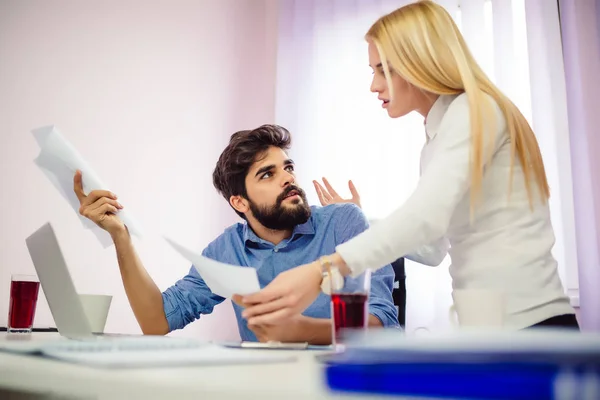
{"x": 276, "y": 250}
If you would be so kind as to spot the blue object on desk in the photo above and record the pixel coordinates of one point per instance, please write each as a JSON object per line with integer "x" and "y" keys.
{"x": 471, "y": 365}
{"x": 465, "y": 375}
{"x": 455, "y": 380}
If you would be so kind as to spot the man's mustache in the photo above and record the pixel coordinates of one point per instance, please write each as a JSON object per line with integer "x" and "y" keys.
{"x": 287, "y": 190}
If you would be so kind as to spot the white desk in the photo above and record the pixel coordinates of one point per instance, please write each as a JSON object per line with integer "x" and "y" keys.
{"x": 302, "y": 379}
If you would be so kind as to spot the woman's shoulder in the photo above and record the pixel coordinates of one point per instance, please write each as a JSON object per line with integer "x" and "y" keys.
{"x": 460, "y": 107}
{"x": 461, "y": 102}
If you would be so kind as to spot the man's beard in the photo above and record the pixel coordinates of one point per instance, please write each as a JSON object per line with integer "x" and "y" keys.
{"x": 279, "y": 217}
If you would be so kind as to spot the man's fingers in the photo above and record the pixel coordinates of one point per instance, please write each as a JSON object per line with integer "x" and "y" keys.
{"x": 257, "y": 329}
{"x": 95, "y": 195}
{"x": 260, "y": 332}
{"x": 102, "y": 201}
{"x": 78, "y": 186}
{"x": 266, "y": 295}
{"x": 353, "y": 191}
{"x": 326, "y": 195}
{"x": 330, "y": 188}
{"x": 265, "y": 307}
{"x": 237, "y": 299}
{"x": 105, "y": 209}
{"x": 273, "y": 318}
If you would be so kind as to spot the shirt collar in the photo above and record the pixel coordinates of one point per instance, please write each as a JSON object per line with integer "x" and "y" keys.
{"x": 306, "y": 228}
{"x": 436, "y": 114}
{"x": 249, "y": 235}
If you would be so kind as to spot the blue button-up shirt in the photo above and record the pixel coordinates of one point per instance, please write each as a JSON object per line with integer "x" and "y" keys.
{"x": 326, "y": 228}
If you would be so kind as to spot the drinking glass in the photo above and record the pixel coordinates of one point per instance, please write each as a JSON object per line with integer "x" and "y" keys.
{"x": 23, "y": 300}
{"x": 350, "y": 307}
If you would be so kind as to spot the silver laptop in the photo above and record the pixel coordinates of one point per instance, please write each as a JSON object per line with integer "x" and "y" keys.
{"x": 57, "y": 284}
{"x": 64, "y": 302}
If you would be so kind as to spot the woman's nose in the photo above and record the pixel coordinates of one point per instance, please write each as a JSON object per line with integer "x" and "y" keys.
{"x": 377, "y": 84}
{"x": 373, "y": 88}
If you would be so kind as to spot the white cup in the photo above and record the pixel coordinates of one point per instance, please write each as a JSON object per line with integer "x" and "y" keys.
{"x": 477, "y": 308}
{"x": 95, "y": 307}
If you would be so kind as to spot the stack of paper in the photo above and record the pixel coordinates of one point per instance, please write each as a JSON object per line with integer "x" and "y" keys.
{"x": 59, "y": 160}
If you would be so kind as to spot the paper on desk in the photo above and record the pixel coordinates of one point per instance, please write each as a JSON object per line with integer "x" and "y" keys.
{"x": 223, "y": 279}
{"x": 59, "y": 161}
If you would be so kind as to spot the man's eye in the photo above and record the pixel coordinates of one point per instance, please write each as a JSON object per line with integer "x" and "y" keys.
{"x": 266, "y": 175}
{"x": 289, "y": 168}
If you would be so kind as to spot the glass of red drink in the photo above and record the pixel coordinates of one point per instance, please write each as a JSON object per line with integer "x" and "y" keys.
{"x": 350, "y": 307}
{"x": 23, "y": 300}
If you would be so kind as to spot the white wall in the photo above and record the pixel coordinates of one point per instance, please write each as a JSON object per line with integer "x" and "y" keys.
{"x": 149, "y": 93}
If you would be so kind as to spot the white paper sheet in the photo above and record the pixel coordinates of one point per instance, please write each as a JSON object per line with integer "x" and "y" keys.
{"x": 223, "y": 279}
{"x": 59, "y": 161}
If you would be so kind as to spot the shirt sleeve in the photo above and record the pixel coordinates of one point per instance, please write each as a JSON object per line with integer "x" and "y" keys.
{"x": 350, "y": 223}
{"x": 188, "y": 298}
{"x": 425, "y": 216}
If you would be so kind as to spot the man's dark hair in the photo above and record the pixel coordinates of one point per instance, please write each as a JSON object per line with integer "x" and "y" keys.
{"x": 244, "y": 149}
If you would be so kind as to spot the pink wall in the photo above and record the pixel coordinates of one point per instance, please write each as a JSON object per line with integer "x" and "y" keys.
{"x": 580, "y": 25}
{"x": 149, "y": 93}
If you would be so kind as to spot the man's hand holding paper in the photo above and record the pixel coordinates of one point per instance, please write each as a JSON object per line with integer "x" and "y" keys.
{"x": 99, "y": 206}
{"x": 59, "y": 160}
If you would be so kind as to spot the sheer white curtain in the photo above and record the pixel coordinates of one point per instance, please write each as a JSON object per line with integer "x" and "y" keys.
{"x": 341, "y": 132}
{"x": 580, "y": 23}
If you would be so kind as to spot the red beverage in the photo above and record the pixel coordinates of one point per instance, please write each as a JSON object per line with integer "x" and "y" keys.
{"x": 349, "y": 311}
{"x": 21, "y": 309}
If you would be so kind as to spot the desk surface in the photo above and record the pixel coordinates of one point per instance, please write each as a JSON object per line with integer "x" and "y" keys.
{"x": 302, "y": 379}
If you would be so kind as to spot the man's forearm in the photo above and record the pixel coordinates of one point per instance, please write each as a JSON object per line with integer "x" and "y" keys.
{"x": 374, "y": 322}
{"x": 318, "y": 330}
{"x": 144, "y": 296}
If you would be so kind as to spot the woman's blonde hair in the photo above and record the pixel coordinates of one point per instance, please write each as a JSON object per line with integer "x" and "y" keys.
{"x": 421, "y": 43}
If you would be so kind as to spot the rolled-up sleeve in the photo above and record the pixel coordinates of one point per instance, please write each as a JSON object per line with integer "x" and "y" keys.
{"x": 189, "y": 298}
{"x": 350, "y": 223}
{"x": 381, "y": 302}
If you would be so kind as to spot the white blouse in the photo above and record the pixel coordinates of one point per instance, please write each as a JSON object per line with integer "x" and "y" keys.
{"x": 505, "y": 246}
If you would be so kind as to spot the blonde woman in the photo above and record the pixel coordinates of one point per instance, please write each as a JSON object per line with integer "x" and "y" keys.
{"x": 483, "y": 188}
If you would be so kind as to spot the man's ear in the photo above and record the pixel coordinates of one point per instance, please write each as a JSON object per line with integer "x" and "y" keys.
{"x": 239, "y": 204}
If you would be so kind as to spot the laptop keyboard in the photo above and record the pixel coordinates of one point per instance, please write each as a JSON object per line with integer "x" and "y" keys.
{"x": 141, "y": 343}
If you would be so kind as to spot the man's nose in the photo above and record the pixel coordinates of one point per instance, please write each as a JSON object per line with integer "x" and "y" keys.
{"x": 288, "y": 179}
